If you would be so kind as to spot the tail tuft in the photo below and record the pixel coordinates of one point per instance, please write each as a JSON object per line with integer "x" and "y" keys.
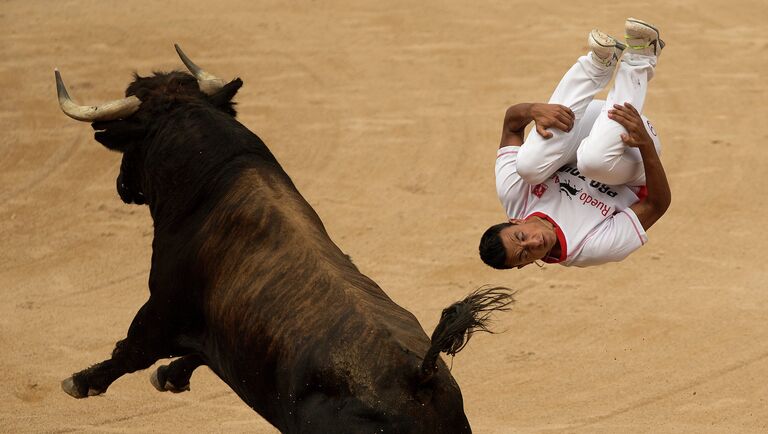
{"x": 460, "y": 320}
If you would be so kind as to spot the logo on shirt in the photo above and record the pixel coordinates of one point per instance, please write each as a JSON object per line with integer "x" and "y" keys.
{"x": 569, "y": 190}
{"x": 602, "y": 188}
{"x": 539, "y": 190}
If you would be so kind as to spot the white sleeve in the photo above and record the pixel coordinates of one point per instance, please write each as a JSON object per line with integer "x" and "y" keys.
{"x": 612, "y": 240}
{"x": 512, "y": 190}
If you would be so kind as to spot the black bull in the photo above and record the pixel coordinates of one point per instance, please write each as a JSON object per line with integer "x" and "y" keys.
{"x": 245, "y": 280}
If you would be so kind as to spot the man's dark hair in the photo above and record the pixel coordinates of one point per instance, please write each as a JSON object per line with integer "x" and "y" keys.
{"x": 492, "y": 250}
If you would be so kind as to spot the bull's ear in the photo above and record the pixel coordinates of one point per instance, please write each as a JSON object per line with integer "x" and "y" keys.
{"x": 223, "y": 97}
{"x": 118, "y": 135}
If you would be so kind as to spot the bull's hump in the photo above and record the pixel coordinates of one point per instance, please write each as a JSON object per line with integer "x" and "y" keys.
{"x": 263, "y": 214}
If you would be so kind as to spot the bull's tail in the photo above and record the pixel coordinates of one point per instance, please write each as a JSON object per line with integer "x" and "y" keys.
{"x": 460, "y": 320}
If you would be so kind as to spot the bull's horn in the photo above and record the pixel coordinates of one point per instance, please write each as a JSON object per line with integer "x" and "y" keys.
{"x": 108, "y": 111}
{"x": 208, "y": 82}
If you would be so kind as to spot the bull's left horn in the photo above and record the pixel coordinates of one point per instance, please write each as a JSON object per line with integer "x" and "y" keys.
{"x": 208, "y": 82}
{"x": 108, "y": 111}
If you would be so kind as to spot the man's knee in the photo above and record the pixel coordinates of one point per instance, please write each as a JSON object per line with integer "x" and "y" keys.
{"x": 591, "y": 164}
{"x": 596, "y": 165}
{"x": 531, "y": 168}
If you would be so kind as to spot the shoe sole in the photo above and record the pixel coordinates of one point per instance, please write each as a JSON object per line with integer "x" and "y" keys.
{"x": 641, "y": 25}
{"x": 605, "y": 40}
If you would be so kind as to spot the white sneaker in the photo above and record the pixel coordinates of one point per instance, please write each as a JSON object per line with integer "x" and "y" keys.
{"x": 606, "y": 50}
{"x": 642, "y": 38}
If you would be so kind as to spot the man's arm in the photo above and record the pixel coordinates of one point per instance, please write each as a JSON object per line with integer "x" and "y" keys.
{"x": 659, "y": 197}
{"x": 546, "y": 116}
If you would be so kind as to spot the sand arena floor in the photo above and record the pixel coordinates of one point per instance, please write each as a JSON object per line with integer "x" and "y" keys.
{"x": 387, "y": 115}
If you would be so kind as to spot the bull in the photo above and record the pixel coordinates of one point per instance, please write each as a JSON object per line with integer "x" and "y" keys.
{"x": 245, "y": 279}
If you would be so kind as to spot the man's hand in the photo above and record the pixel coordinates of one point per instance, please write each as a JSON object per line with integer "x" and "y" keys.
{"x": 551, "y": 116}
{"x": 545, "y": 115}
{"x": 628, "y": 116}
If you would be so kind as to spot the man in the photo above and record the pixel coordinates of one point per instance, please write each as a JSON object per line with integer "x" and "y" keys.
{"x": 587, "y": 183}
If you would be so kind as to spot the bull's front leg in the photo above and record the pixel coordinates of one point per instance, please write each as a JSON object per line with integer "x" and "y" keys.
{"x": 150, "y": 337}
{"x": 175, "y": 377}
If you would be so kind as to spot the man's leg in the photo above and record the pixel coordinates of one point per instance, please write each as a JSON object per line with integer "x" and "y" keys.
{"x": 602, "y": 156}
{"x": 539, "y": 158}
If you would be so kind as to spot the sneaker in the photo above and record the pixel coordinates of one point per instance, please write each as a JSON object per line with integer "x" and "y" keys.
{"x": 606, "y": 50}
{"x": 642, "y": 38}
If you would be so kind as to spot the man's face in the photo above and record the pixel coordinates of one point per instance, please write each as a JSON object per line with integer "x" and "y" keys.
{"x": 527, "y": 241}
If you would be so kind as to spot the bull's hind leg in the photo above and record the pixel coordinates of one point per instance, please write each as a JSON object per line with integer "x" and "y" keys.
{"x": 150, "y": 337}
{"x": 175, "y": 376}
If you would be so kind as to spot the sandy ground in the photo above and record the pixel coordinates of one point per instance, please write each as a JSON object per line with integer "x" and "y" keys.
{"x": 387, "y": 116}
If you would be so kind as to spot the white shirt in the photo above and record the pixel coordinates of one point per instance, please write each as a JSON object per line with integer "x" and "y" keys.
{"x": 593, "y": 222}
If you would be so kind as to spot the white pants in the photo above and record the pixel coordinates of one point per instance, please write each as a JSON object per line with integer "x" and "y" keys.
{"x": 594, "y": 143}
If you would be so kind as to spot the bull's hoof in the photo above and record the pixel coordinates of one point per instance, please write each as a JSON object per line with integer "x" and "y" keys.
{"x": 159, "y": 380}
{"x": 156, "y": 382}
{"x": 72, "y": 390}
{"x": 172, "y": 388}
{"x": 68, "y": 386}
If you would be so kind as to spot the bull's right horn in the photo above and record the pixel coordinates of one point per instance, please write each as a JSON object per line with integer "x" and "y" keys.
{"x": 209, "y": 83}
{"x": 108, "y": 111}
